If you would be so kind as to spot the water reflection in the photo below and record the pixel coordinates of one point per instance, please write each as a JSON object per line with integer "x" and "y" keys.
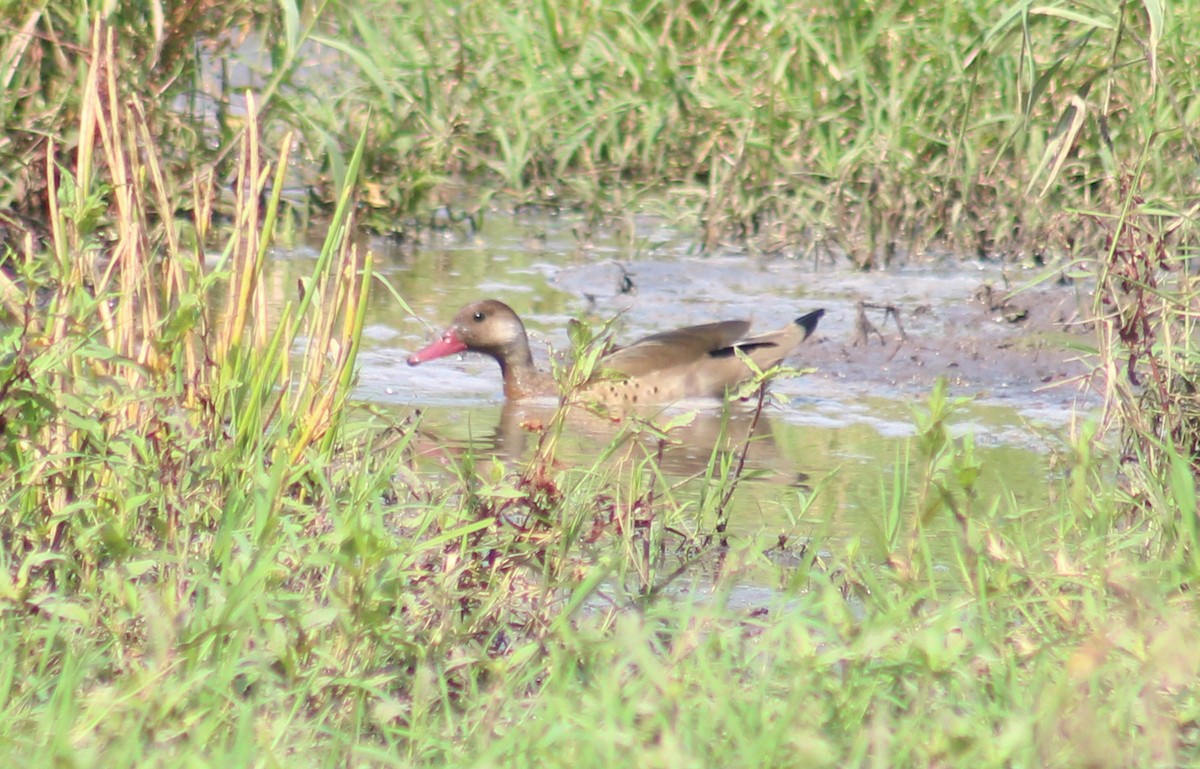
{"x": 840, "y": 476}
{"x": 685, "y": 442}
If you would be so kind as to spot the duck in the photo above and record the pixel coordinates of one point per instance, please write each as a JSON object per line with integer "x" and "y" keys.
{"x": 693, "y": 362}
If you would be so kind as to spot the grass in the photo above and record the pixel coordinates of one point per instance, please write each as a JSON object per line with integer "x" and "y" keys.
{"x": 779, "y": 123}
{"x": 782, "y": 127}
{"x": 210, "y": 557}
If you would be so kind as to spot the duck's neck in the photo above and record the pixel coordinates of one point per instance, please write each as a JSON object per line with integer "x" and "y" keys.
{"x": 521, "y": 377}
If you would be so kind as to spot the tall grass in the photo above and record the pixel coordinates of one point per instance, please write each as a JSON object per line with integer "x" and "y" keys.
{"x": 175, "y": 58}
{"x": 137, "y": 407}
{"x": 872, "y": 131}
{"x": 875, "y": 132}
{"x": 1146, "y": 302}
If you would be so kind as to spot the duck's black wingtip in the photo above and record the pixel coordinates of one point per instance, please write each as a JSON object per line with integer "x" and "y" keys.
{"x": 809, "y": 322}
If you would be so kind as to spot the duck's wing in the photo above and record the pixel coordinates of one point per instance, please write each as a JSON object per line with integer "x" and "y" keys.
{"x": 673, "y": 349}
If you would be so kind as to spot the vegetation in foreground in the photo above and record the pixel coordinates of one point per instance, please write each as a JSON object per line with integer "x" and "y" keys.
{"x": 205, "y": 561}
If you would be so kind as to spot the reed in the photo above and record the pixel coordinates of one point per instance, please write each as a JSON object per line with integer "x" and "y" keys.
{"x": 131, "y": 355}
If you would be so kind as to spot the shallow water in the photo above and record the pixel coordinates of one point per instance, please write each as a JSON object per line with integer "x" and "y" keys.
{"x": 831, "y": 451}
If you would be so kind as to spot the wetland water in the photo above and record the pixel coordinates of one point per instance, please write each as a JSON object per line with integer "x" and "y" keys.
{"x": 843, "y": 428}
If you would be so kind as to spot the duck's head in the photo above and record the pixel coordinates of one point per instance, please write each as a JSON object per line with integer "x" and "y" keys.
{"x": 488, "y": 326}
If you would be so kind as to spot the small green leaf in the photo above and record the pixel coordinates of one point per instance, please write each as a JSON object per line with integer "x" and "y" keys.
{"x": 579, "y": 333}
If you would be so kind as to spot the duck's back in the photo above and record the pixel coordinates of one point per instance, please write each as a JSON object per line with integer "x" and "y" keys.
{"x": 694, "y": 362}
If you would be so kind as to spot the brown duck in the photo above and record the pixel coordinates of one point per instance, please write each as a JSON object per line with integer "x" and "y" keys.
{"x": 697, "y": 361}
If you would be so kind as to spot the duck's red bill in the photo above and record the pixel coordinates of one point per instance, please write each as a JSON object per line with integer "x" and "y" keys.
{"x": 449, "y": 344}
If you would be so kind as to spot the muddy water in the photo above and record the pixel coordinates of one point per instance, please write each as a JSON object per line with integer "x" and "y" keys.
{"x": 831, "y": 451}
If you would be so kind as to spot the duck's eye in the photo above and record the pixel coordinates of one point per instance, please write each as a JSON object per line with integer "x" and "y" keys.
{"x": 478, "y": 316}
